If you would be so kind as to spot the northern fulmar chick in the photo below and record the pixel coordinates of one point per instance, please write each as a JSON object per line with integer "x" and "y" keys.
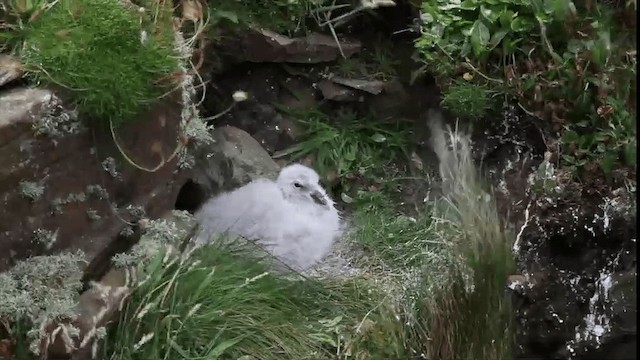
{"x": 293, "y": 218}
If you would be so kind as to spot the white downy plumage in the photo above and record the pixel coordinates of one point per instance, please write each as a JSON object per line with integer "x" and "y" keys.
{"x": 293, "y": 218}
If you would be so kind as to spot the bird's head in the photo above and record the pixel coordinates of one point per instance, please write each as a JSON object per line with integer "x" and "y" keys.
{"x": 301, "y": 183}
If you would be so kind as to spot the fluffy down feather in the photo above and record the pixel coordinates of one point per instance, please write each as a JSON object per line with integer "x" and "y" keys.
{"x": 293, "y": 218}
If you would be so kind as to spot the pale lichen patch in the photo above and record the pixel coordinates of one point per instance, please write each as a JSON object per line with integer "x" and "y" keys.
{"x": 31, "y": 190}
{"x": 159, "y": 234}
{"x": 40, "y": 290}
{"x": 57, "y": 122}
{"x": 44, "y": 238}
{"x": 109, "y": 165}
{"x": 93, "y": 215}
{"x": 58, "y": 203}
{"x": 191, "y": 124}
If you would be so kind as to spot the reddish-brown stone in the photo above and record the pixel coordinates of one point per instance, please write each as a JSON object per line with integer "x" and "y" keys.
{"x": 70, "y": 163}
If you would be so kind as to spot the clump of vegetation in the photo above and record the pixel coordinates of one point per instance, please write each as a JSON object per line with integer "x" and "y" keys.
{"x": 351, "y": 148}
{"x": 224, "y": 301}
{"x": 396, "y": 239}
{"x": 115, "y": 59}
{"x": 467, "y": 100}
{"x": 37, "y": 291}
{"x": 452, "y": 261}
{"x": 469, "y": 294}
{"x": 570, "y": 64}
{"x": 379, "y": 64}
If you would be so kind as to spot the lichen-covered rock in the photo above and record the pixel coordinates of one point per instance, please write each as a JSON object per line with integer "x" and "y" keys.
{"x": 64, "y": 186}
{"x": 234, "y": 159}
{"x": 100, "y": 305}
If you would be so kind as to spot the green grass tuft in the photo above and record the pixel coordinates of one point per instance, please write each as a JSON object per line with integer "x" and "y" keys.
{"x": 471, "y": 294}
{"x": 353, "y": 147}
{"x": 451, "y": 262}
{"x": 93, "y": 48}
{"x": 224, "y": 302}
{"x": 467, "y": 100}
{"x": 388, "y": 235}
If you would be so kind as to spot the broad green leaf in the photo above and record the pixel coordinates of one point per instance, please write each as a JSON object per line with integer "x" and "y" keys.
{"x": 559, "y": 9}
{"x": 497, "y": 37}
{"x": 490, "y": 13}
{"x": 506, "y": 17}
{"x": 479, "y": 36}
{"x": 521, "y": 24}
{"x": 570, "y": 136}
{"x": 569, "y": 159}
{"x": 469, "y": 5}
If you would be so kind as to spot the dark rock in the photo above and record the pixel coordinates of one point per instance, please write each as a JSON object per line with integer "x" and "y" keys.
{"x": 58, "y": 187}
{"x": 587, "y": 301}
{"x": 234, "y": 159}
{"x": 373, "y": 87}
{"x": 336, "y": 92}
{"x": 268, "y": 46}
{"x": 267, "y": 85}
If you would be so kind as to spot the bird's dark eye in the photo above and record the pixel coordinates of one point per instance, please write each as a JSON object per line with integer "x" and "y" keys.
{"x": 297, "y": 184}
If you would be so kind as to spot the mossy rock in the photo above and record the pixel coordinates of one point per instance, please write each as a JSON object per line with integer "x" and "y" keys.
{"x": 115, "y": 60}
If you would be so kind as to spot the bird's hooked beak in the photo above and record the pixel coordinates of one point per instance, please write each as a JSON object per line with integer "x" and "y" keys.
{"x": 319, "y": 198}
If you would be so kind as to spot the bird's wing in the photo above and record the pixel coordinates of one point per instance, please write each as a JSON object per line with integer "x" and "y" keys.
{"x": 240, "y": 211}
{"x": 305, "y": 238}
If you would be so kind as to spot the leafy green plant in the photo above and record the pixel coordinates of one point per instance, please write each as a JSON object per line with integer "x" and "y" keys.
{"x": 114, "y": 59}
{"x": 350, "y": 148}
{"x": 587, "y": 142}
{"x": 561, "y": 61}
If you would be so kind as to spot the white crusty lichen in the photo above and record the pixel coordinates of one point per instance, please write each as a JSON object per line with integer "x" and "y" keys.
{"x": 31, "y": 190}
{"x": 158, "y": 234}
{"x": 58, "y": 203}
{"x": 136, "y": 212}
{"x": 57, "y": 122}
{"x": 93, "y": 215}
{"x": 191, "y": 124}
{"x": 91, "y": 191}
{"x": 39, "y": 290}
{"x": 97, "y": 192}
{"x": 109, "y": 165}
{"x": 44, "y": 238}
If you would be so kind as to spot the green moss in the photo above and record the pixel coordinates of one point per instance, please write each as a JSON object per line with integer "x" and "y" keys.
{"x": 94, "y": 48}
{"x": 467, "y": 100}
